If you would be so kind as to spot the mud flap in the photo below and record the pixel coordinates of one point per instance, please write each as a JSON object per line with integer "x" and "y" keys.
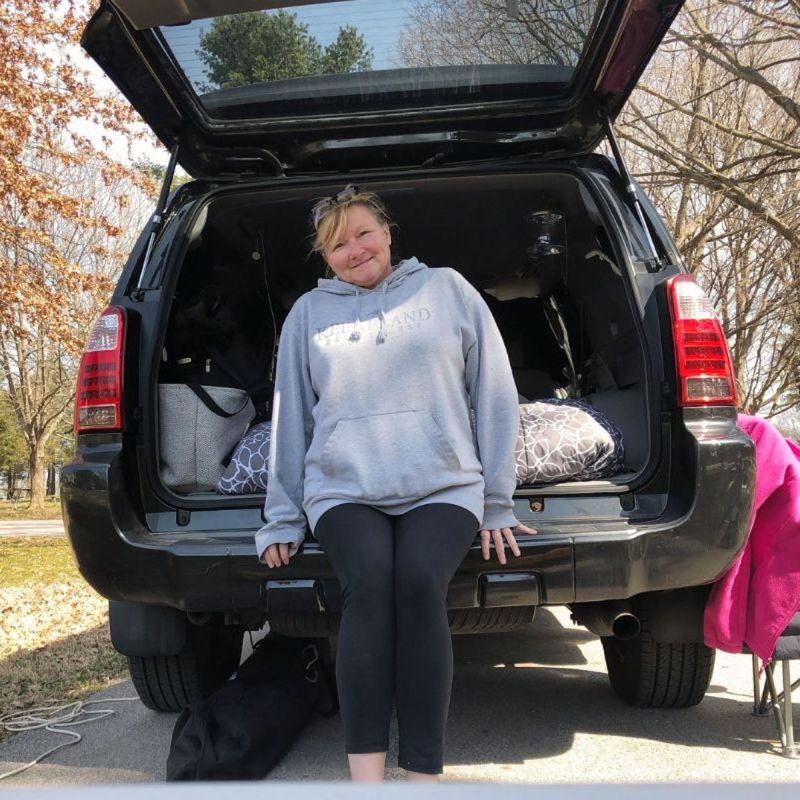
{"x": 142, "y": 630}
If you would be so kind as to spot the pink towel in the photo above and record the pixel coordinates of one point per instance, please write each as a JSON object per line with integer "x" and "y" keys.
{"x": 753, "y": 602}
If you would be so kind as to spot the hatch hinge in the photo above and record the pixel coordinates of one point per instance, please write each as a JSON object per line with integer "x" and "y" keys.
{"x": 157, "y": 219}
{"x": 633, "y": 193}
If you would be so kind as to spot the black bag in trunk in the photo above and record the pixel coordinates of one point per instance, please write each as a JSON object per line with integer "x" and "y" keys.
{"x": 204, "y": 345}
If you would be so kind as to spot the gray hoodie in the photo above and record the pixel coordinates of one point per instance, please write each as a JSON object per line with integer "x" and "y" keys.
{"x": 392, "y": 397}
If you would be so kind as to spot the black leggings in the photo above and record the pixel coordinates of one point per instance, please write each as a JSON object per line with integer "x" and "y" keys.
{"x": 394, "y": 637}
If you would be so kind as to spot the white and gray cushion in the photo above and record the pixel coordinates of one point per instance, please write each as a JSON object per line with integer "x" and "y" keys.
{"x": 566, "y": 440}
{"x": 559, "y": 440}
{"x": 247, "y": 471}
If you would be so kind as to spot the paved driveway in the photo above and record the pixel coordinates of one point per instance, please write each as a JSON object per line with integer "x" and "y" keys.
{"x": 32, "y": 527}
{"x": 529, "y": 707}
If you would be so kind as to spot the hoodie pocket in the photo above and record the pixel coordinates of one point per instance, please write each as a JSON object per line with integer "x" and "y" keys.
{"x": 399, "y": 455}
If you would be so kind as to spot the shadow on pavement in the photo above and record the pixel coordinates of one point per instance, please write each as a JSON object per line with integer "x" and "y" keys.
{"x": 531, "y": 698}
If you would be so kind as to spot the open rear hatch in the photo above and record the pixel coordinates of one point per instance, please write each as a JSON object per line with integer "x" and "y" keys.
{"x": 540, "y": 77}
{"x": 557, "y": 287}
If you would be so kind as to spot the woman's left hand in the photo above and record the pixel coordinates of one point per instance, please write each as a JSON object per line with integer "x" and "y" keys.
{"x": 496, "y": 536}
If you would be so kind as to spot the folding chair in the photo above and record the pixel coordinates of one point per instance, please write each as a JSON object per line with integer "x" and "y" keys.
{"x": 767, "y": 699}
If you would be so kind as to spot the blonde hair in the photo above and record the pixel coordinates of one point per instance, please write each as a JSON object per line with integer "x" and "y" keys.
{"x": 329, "y": 215}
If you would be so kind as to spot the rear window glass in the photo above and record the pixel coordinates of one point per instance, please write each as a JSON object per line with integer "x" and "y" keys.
{"x": 336, "y": 56}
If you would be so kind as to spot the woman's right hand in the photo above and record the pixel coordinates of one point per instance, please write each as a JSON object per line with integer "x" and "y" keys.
{"x": 275, "y": 555}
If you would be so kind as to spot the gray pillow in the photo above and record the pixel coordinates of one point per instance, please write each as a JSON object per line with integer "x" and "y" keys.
{"x": 559, "y": 440}
{"x": 566, "y": 440}
{"x": 247, "y": 471}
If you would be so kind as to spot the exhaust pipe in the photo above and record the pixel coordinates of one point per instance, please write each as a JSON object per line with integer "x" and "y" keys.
{"x": 609, "y": 618}
{"x": 626, "y": 625}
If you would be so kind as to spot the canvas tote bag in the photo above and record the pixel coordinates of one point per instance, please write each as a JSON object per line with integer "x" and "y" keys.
{"x": 199, "y": 427}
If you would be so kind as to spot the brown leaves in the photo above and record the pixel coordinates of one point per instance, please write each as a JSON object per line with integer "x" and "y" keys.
{"x": 54, "y": 644}
{"x": 52, "y": 223}
{"x": 37, "y": 615}
{"x": 63, "y": 233}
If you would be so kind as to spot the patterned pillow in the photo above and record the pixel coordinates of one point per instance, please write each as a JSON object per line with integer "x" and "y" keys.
{"x": 247, "y": 471}
{"x": 566, "y": 440}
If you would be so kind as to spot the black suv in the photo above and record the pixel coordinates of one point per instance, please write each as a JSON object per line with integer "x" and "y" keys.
{"x": 487, "y": 167}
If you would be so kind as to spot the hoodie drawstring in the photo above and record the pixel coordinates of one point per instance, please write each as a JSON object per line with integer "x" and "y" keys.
{"x": 381, "y": 338}
{"x": 400, "y": 273}
{"x": 356, "y": 334}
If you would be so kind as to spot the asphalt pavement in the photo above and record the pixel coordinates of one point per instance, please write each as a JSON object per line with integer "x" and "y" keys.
{"x": 529, "y": 707}
{"x": 31, "y": 527}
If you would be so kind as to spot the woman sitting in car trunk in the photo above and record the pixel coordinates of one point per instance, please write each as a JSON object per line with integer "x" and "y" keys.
{"x": 394, "y": 426}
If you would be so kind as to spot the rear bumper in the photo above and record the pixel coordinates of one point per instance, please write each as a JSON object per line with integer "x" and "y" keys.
{"x": 702, "y": 526}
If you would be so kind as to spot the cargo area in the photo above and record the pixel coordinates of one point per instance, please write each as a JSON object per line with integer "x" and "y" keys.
{"x": 542, "y": 249}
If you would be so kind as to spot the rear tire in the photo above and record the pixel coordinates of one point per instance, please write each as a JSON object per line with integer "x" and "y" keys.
{"x": 490, "y": 620}
{"x": 462, "y": 620}
{"x": 311, "y": 626}
{"x": 649, "y": 674}
{"x": 169, "y": 683}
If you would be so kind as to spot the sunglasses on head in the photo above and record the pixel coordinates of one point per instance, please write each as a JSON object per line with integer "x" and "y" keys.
{"x": 324, "y": 206}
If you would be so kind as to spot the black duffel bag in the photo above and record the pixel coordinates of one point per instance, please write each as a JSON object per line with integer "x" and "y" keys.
{"x": 206, "y": 345}
{"x": 244, "y": 729}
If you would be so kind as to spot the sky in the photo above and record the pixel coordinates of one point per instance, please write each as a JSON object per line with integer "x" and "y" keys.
{"x": 121, "y": 150}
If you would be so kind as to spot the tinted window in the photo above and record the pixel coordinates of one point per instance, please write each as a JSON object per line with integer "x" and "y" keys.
{"x": 318, "y": 57}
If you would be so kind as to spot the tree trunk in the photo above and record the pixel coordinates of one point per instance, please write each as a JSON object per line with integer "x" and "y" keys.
{"x": 36, "y": 477}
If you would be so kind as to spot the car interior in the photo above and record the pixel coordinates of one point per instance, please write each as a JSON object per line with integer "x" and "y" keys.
{"x": 535, "y": 246}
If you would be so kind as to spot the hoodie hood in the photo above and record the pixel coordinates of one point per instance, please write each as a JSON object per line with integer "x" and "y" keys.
{"x": 397, "y": 277}
{"x": 400, "y": 272}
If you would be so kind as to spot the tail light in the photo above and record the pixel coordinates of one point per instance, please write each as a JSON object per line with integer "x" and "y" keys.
{"x": 98, "y": 395}
{"x": 702, "y": 360}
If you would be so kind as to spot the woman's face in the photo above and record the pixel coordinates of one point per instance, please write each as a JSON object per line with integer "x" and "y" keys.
{"x": 361, "y": 254}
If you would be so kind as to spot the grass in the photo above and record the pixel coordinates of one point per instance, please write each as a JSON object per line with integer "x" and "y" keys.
{"x": 25, "y": 561}
{"x": 54, "y": 641}
{"x": 18, "y": 509}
